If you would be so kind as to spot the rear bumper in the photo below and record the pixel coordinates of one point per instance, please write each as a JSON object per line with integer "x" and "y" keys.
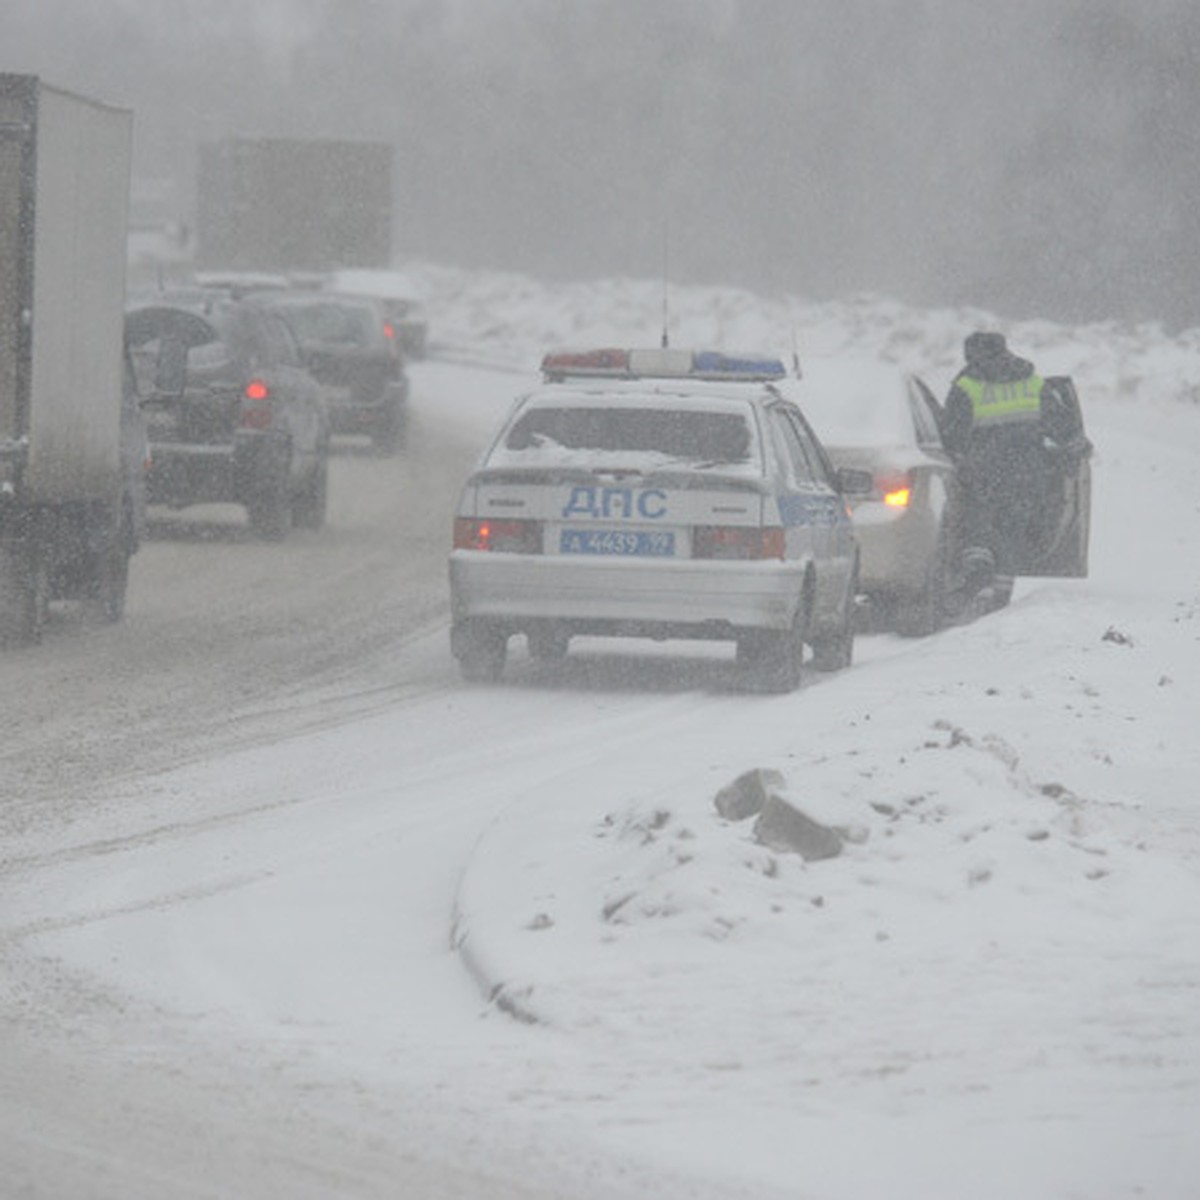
{"x": 624, "y": 597}
{"x": 350, "y": 413}
{"x": 896, "y": 551}
{"x": 191, "y": 473}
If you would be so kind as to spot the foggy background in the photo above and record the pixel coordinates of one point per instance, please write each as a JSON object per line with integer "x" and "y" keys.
{"x": 1035, "y": 157}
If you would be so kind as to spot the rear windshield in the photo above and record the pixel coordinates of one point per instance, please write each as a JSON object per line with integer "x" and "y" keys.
{"x": 652, "y": 436}
{"x": 337, "y": 323}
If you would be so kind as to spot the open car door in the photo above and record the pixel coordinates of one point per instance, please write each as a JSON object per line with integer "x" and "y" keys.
{"x": 1058, "y": 544}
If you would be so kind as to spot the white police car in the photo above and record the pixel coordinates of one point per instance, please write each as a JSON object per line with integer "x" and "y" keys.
{"x": 656, "y": 493}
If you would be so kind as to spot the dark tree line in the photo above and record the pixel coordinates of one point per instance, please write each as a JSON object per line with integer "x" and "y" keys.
{"x": 1038, "y": 157}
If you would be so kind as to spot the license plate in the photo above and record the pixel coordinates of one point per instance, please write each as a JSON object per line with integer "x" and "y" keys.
{"x": 656, "y": 543}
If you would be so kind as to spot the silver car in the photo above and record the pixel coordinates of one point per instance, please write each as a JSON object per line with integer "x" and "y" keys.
{"x": 660, "y": 494}
{"x": 874, "y": 417}
{"x": 917, "y": 571}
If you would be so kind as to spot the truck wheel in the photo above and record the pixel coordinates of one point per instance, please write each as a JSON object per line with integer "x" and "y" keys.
{"x": 388, "y": 436}
{"x": 271, "y": 510}
{"x": 480, "y": 650}
{"x": 24, "y": 597}
{"x": 548, "y": 645}
{"x": 105, "y": 600}
{"x": 311, "y": 505}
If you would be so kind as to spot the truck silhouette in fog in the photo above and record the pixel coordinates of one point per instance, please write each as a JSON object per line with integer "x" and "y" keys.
{"x": 293, "y": 205}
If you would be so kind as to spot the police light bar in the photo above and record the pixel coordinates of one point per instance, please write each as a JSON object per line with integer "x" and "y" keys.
{"x": 664, "y": 363}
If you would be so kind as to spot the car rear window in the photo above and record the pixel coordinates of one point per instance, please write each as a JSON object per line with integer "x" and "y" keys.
{"x": 697, "y": 438}
{"x": 337, "y": 323}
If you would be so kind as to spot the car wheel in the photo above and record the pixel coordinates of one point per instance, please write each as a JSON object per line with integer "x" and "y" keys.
{"x": 548, "y": 645}
{"x": 270, "y": 510}
{"x": 312, "y": 504}
{"x": 836, "y": 653}
{"x": 388, "y": 436}
{"x": 481, "y": 652}
{"x": 927, "y": 611}
{"x": 773, "y": 660}
{"x": 24, "y": 596}
{"x": 105, "y": 601}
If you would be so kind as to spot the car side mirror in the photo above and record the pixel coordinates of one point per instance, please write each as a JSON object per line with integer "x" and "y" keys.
{"x": 854, "y": 482}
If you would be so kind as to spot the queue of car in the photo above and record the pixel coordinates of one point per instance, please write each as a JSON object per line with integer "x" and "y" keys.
{"x": 636, "y": 493}
{"x": 242, "y": 383}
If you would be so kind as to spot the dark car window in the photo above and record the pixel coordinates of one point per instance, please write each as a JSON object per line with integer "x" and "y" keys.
{"x": 808, "y": 463}
{"x": 339, "y": 324}
{"x": 676, "y": 433}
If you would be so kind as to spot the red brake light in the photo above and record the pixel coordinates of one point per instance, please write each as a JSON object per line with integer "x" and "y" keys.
{"x": 389, "y": 331}
{"x": 737, "y": 542}
{"x": 506, "y": 536}
{"x": 256, "y": 407}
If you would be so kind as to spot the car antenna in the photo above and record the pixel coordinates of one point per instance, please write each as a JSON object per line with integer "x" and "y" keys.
{"x": 666, "y": 341}
{"x": 796, "y": 355}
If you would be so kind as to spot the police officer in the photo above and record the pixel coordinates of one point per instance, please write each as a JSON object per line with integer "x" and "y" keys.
{"x": 993, "y": 427}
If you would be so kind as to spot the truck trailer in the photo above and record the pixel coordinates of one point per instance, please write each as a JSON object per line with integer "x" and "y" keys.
{"x": 67, "y": 520}
{"x": 293, "y": 205}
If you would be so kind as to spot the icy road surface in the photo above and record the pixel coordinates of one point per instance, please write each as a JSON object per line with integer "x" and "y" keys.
{"x": 241, "y": 831}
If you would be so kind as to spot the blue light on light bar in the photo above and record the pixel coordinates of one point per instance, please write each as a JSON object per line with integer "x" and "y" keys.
{"x": 725, "y": 366}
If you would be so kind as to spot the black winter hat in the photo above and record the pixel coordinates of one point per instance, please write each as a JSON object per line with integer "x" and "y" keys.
{"x": 981, "y": 346}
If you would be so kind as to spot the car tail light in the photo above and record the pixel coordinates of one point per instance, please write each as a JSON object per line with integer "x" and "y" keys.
{"x": 894, "y": 490}
{"x": 737, "y": 541}
{"x": 389, "y": 331}
{"x": 507, "y": 536}
{"x": 256, "y": 405}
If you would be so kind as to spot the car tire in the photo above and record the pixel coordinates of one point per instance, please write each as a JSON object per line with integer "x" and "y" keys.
{"x": 105, "y": 601}
{"x": 927, "y": 611}
{"x": 24, "y": 596}
{"x": 836, "y": 653}
{"x": 311, "y": 506}
{"x": 481, "y": 652}
{"x": 270, "y": 511}
{"x": 548, "y": 645}
{"x": 773, "y": 660}
{"x": 388, "y": 436}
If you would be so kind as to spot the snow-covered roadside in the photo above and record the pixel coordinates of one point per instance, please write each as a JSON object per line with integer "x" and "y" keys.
{"x": 991, "y": 994}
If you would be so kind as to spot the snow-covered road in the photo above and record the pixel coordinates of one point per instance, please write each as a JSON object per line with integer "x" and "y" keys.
{"x": 247, "y": 837}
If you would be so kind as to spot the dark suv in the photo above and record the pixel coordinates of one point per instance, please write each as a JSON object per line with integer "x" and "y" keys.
{"x": 232, "y": 415}
{"x": 352, "y": 351}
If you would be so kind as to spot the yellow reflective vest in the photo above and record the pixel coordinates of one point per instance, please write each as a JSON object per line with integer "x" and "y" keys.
{"x": 1003, "y": 403}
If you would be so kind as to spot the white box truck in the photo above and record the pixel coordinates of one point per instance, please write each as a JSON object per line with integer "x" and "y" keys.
{"x": 67, "y": 502}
